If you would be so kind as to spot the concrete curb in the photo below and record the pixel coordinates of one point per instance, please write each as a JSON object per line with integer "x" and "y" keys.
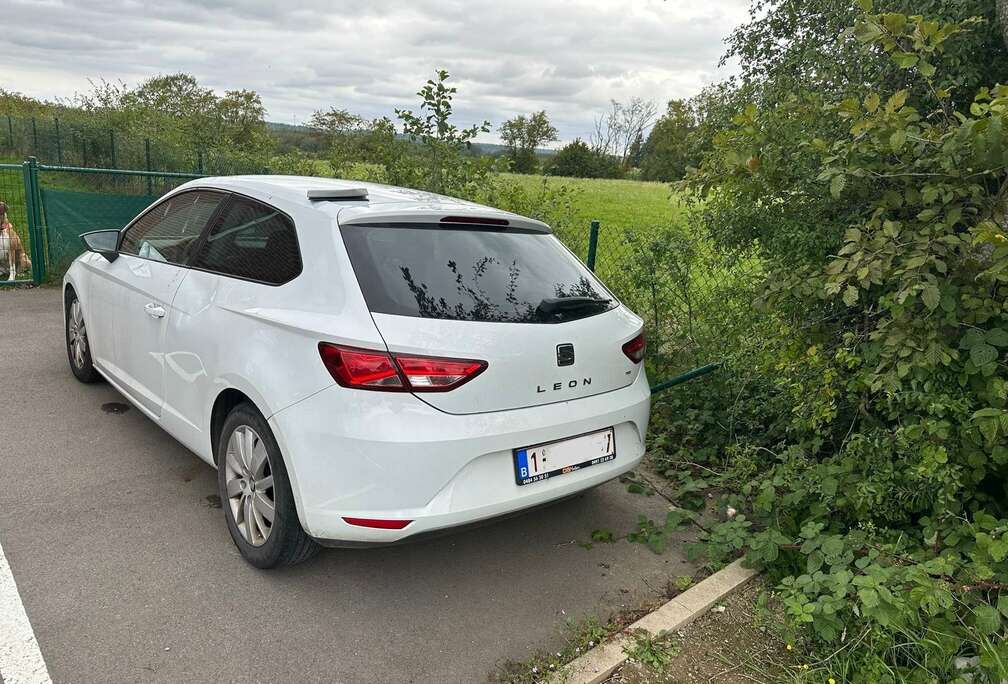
{"x": 600, "y": 662}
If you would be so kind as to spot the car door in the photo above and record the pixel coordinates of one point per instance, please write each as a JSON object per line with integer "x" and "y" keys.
{"x": 152, "y": 263}
{"x": 249, "y": 252}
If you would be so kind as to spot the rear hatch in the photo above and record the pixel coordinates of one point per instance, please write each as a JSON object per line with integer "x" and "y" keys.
{"x": 510, "y": 295}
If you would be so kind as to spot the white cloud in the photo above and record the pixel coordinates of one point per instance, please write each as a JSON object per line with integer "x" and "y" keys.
{"x": 508, "y": 57}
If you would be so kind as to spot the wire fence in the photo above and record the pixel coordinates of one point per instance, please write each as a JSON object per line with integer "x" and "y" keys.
{"x": 696, "y": 301}
{"x": 16, "y": 238}
{"x": 89, "y": 144}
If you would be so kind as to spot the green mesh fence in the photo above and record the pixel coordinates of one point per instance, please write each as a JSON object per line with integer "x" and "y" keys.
{"x": 75, "y": 201}
{"x": 12, "y": 194}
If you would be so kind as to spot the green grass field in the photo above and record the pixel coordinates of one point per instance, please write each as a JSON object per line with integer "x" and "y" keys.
{"x": 617, "y": 204}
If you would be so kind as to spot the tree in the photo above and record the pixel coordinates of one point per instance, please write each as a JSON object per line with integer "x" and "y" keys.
{"x": 578, "y": 159}
{"x": 351, "y": 138}
{"x": 439, "y": 162}
{"x": 790, "y": 46}
{"x": 618, "y": 128}
{"x": 670, "y": 148}
{"x": 523, "y": 136}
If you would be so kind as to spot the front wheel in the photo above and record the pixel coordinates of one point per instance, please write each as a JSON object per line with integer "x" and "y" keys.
{"x": 256, "y": 493}
{"x": 78, "y": 348}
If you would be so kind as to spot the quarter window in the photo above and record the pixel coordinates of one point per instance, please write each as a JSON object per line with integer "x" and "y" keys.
{"x": 170, "y": 231}
{"x": 251, "y": 241}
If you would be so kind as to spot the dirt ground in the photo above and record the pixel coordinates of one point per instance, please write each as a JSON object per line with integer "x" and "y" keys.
{"x": 740, "y": 643}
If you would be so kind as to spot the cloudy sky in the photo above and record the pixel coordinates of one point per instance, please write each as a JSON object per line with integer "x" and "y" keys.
{"x": 505, "y": 57}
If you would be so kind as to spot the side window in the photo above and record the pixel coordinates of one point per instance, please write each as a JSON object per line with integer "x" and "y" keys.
{"x": 252, "y": 241}
{"x": 169, "y": 231}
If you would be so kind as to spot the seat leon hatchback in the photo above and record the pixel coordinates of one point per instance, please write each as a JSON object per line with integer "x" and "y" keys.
{"x": 361, "y": 363}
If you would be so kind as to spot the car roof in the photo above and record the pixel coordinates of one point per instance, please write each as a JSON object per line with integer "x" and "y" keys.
{"x": 384, "y": 203}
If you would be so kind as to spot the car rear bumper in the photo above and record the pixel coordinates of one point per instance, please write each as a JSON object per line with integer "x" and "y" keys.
{"x": 386, "y": 456}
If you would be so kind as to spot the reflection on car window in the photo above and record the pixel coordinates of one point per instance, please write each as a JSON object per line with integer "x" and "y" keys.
{"x": 252, "y": 241}
{"x": 170, "y": 230}
{"x": 471, "y": 274}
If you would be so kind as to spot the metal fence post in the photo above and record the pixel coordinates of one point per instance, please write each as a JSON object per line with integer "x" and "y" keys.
{"x": 34, "y": 214}
{"x": 84, "y": 158}
{"x": 10, "y": 132}
{"x": 150, "y": 188}
{"x": 34, "y": 137}
{"x": 59, "y": 143}
{"x": 199, "y": 161}
{"x": 592, "y": 245}
{"x": 111, "y": 139}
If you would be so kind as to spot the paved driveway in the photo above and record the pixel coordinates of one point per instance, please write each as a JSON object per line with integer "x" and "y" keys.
{"x": 127, "y": 573}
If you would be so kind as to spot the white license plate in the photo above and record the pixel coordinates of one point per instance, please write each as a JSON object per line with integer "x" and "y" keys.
{"x": 543, "y": 461}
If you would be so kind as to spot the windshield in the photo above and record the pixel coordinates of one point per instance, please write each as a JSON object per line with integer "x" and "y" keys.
{"x": 472, "y": 274}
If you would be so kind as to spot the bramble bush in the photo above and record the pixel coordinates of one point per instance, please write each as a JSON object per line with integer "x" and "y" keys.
{"x": 863, "y": 427}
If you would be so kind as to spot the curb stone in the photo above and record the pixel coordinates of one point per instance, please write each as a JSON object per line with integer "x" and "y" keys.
{"x": 600, "y": 662}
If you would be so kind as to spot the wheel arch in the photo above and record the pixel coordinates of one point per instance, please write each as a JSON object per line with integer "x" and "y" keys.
{"x": 225, "y": 401}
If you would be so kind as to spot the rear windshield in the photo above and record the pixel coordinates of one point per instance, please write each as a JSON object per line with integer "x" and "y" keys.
{"x": 471, "y": 274}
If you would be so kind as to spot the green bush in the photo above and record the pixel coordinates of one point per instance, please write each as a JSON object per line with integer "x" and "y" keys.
{"x": 862, "y": 423}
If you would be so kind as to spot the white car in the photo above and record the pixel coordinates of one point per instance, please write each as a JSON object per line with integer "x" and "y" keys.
{"x": 361, "y": 363}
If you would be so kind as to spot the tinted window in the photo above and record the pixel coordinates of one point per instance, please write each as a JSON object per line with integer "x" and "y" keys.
{"x": 253, "y": 241}
{"x": 169, "y": 231}
{"x": 471, "y": 274}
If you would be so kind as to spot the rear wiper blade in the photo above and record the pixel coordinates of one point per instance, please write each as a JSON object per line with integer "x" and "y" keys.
{"x": 553, "y": 306}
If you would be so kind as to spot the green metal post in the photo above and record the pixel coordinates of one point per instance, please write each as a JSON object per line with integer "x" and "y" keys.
{"x": 592, "y": 245}
{"x": 199, "y": 162}
{"x": 10, "y": 132}
{"x": 111, "y": 139}
{"x": 59, "y": 143}
{"x": 679, "y": 379}
{"x": 84, "y": 151}
{"x": 34, "y": 137}
{"x": 150, "y": 188}
{"x": 34, "y": 212}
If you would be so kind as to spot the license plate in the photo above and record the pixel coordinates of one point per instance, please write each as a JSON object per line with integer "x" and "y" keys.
{"x": 543, "y": 461}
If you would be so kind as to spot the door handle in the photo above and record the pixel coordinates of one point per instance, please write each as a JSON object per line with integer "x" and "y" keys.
{"x": 154, "y": 311}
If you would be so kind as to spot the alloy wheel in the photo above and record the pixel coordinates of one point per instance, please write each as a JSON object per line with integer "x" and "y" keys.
{"x": 248, "y": 478}
{"x": 77, "y": 333}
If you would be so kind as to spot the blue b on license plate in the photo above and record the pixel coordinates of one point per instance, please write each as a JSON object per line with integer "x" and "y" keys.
{"x": 543, "y": 461}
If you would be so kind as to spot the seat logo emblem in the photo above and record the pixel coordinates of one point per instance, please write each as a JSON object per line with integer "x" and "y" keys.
{"x": 565, "y": 354}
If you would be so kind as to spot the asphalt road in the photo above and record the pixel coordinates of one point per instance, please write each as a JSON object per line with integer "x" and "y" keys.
{"x": 127, "y": 573}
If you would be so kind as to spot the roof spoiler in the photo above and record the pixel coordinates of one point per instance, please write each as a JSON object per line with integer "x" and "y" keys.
{"x": 325, "y": 194}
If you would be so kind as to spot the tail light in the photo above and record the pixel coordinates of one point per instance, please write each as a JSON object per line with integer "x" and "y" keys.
{"x": 375, "y": 370}
{"x": 634, "y": 349}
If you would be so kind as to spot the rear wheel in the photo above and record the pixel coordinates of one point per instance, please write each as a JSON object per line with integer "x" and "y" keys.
{"x": 78, "y": 349}
{"x": 256, "y": 493}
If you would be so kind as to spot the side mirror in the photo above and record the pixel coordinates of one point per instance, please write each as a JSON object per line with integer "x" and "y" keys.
{"x": 104, "y": 242}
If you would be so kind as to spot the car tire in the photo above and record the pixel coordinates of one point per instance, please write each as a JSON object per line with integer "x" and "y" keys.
{"x": 77, "y": 344}
{"x": 253, "y": 483}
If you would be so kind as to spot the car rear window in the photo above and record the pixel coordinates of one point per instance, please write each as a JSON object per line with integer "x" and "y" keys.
{"x": 472, "y": 274}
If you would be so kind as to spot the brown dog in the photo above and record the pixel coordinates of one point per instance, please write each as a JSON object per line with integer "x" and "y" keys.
{"x": 12, "y": 253}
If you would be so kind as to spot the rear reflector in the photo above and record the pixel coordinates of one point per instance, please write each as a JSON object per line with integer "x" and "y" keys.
{"x": 375, "y": 370}
{"x": 378, "y": 524}
{"x": 634, "y": 349}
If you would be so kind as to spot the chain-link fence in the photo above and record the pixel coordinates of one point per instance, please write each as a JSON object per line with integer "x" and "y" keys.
{"x": 69, "y": 142}
{"x": 694, "y": 299}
